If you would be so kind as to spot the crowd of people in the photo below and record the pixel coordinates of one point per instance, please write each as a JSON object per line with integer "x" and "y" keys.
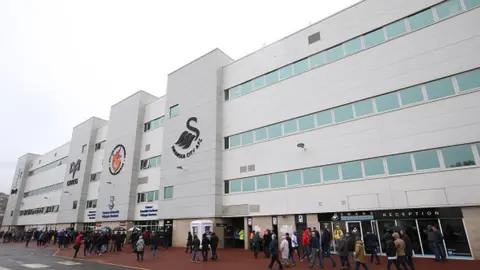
{"x": 208, "y": 243}
{"x": 42, "y": 237}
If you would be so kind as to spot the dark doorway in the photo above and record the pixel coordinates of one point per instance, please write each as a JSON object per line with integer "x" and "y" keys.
{"x": 235, "y": 233}
{"x": 410, "y": 228}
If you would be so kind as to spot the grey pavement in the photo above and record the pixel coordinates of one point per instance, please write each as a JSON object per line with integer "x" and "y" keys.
{"x": 17, "y": 257}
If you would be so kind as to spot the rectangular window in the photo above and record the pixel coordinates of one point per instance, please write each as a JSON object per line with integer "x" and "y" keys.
{"x": 311, "y": 176}
{"x": 150, "y": 196}
{"x": 411, "y": 95}
{"x": 275, "y": 131}
{"x": 306, "y": 122}
{"x": 469, "y": 4}
{"x": 271, "y": 77}
{"x": 168, "y": 192}
{"x": 399, "y": 164}
{"x": 448, "y": 8}
{"x": 260, "y": 134}
{"x": 396, "y": 29}
{"x": 259, "y": 82}
{"x": 317, "y": 59}
{"x": 458, "y": 156}
{"x": 294, "y": 178}
{"x": 373, "y": 167}
{"x": 290, "y": 126}
{"x": 426, "y": 160}
{"x": 300, "y": 66}
{"x": 440, "y": 88}
{"x": 226, "y": 187}
{"x": 387, "y": 102}
{"x": 74, "y": 206}
{"x": 174, "y": 110}
{"x": 469, "y": 80}
{"x": 343, "y": 113}
{"x": 286, "y": 72}
{"x": 330, "y": 173}
{"x": 277, "y": 180}
{"x": 324, "y": 118}
{"x": 99, "y": 145}
{"x": 352, "y": 170}
{"x": 353, "y": 46}
{"x": 247, "y": 138}
{"x": 335, "y": 53}
{"x": 363, "y": 107}
{"x": 234, "y": 92}
{"x": 248, "y": 184}
{"x": 246, "y": 88}
{"x": 263, "y": 182}
{"x": 234, "y": 141}
{"x": 235, "y": 185}
{"x": 421, "y": 19}
{"x": 374, "y": 38}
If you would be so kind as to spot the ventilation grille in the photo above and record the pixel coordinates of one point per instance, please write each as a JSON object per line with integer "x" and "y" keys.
{"x": 254, "y": 208}
{"x": 235, "y": 210}
{"x": 147, "y": 147}
{"x": 143, "y": 180}
{"x": 243, "y": 169}
{"x": 314, "y": 38}
{"x": 249, "y": 168}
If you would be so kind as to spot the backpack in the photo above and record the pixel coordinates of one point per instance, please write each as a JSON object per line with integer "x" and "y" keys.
{"x": 140, "y": 245}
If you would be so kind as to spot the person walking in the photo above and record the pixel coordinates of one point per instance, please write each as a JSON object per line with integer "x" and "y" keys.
{"x": 326, "y": 244}
{"x": 400, "y": 250}
{"x": 285, "y": 251}
{"x": 196, "y": 247}
{"x": 371, "y": 246}
{"x": 189, "y": 242}
{"x": 140, "y": 247}
{"x": 205, "y": 247}
{"x": 155, "y": 240}
{"x": 256, "y": 244}
{"x": 343, "y": 251}
{"x": 78, "y": 243}
{"x": 214, "y": 245}
{"x": 408, "y": 249}
{"x": 359, "y": 254}
{"x": 274, "y": 253}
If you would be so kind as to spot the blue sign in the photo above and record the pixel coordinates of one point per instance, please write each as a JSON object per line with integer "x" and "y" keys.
{"x": 110, "y": 214}
{"x": 148, "y": 211}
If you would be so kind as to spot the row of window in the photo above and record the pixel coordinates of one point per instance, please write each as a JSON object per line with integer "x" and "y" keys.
{"x": 48, "y": 166}
{"x": 149, "y": 196}
{"x": 467, "y": 81}
{"x": 91, "y": 204}
{"x": 152, "y": 162}
{"x": 94, "y": 177}
{"x": 40, "y": 210}
{"x": 154, "y": 124}
{"x": 435, "y": 159}
{"x": 100, "y": 145}
{"x": 43, "y": 190}
{"x": 378, "y": 36}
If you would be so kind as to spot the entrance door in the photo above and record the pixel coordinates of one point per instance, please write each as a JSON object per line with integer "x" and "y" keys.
{"x": 355, "y": 227}
{"x": 410, "y": 228}
{"x": 423, "y": 227}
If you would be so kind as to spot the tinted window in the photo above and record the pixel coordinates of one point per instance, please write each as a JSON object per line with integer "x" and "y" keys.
{"x": 306, "y": 122}
{"x": 294, "y": 178}
{"x": 374, "y": 38}
{"x": 364, "y": 107}
{"x": 387, "y": 102}
{"x": 324, "y": 118}
{"x": 353, "y": 46}
{"x": 235, "y": 185}
{"x": 335, "y": 53}
{"x": 271, "y": 77}
{"x": 373, "y": 167}
{"x": 426, "y": 160}
{"x": 411, "y": 95}
{"x": 311, "y": 176}
{"x": 247, "y": 138}
{"x": 300, "y": 66}
{"x": 458, "y": 156}
{"x": 260, "y": 134}
{"x": 275, "y": 131}
{"x": 330, "y": 173}
{"x": 396, "y": 29}
{"x": 259, "y": 82}
{"x": 234, "y": 140}
{"x": 248, "y": 184}
{"x": 317, "y": 59}
{"x": 399, "y": 164}
{"x": 290, "y": 126}
{"x": 448, "y": 8}
{"x": 469, "y": 80}
{"x": 277, "y": 180}
{"x": 421, "y": 19}
{"x": 469, "y": 4}
{"x": 263, "y": 182}
{"x": 246, "y": 88}
{"x": 440, "y": 88}
{"x": 352, "y": 170}
{"x": 286, "y": 72}
{"x": 343, "y": 113}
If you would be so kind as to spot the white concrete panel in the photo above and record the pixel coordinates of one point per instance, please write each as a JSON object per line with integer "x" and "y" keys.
{"x": 364, "y": 201}
{"x": 421, "y": 198}
{"x": 463, "y": 194}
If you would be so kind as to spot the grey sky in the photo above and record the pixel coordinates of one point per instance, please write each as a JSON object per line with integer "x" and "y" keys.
{"x": 62, "y": 62}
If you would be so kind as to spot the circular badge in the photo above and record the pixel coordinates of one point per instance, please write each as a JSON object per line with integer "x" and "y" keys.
{"x": 117, "y": 159}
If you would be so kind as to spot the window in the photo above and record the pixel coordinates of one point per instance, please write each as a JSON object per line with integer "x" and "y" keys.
{"x": 469, "y": 4}
{"x": 306, "y": 122}
{"x": 99, "y": 145}
{"x": 300, "y": 66}
{"x": 330, "y": 173}
{"x": 74, "y": 205}
{"x": 387, "y": 102}
{"x": 440, "y": 88}
{"x": 275, "y": 131}
{"x": 290, "y": 126}
{"x": 353, "y": 46}
{"x": 373, "y": 167}
{"x": 168, "y": 192}
{"x": 311, "y": 176}
{"x": 154, "y": 124}
{"x": 271, "y": 77}
{"x": 343, "y": 113}
{"x": 233, "y": 93}
{"x": 261, "y": 134}
{"x": 324, "y": 118}
{"x": 469, "y": 80}
{"x": 149, "y": 196}
{"x": 246, "y": 88}
{"x": 363, "y": 107}
{"x": 91, "y": 204}
{"x": 150, "y": 163}
{"x": 247, "y": 138}
{"x": 248, "y": 184}
{"x": 399, "y": 164}
{"x": 277, "y": 180}
{"x": 259, "y": 82}
{"x": 226, "y": 187}
{"x": 285, "y": 72}
{"x": 84, "y": 148}
{"x": 335, "y": 53}
{"x": 396, "y": 29}
{"x": 174, "y": 111}
{"x": 448, "y": 8}
{"x": 314, "y": 38}
{"x": 294, "y": 178}
{"x": 235, "y": 185}
{"x": 234, "y": 140}
{"x": 426, "y": 160}
{"x": 317, "y": 59}
{"x": 411, "y": 95}
{"x": 263, "y": 182}
{"x": 95, "y": 176}
{"x": 458, "y": 156}
{"x": 421, "y": 19}
{"x": 374, "y": 38}
{"x": 352, "y": 170}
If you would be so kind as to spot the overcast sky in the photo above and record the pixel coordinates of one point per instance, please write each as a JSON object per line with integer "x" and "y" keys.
{"x": 62, "y": 62}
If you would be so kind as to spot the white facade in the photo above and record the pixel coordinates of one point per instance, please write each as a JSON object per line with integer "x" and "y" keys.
{"x": 387, "y": 81}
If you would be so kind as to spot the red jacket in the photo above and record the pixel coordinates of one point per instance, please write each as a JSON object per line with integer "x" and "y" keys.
{"x": 79, "y": 239}
{"x": 305, "y": 238}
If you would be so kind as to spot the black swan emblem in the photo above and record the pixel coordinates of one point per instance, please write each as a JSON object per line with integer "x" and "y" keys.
{"x": 186, "y": 138}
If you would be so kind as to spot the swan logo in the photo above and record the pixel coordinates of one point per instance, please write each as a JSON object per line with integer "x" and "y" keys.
{"x": 75, "y": 167}
{"x": 186, "y": 140}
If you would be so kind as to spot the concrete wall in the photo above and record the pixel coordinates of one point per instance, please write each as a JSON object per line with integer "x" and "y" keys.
{"x": 471, "y": 217}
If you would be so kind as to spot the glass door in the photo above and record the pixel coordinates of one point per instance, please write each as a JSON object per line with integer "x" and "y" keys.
{"x": 423, "y": 227}
{"x": 410, "y": 228}
{"x": 355, "y": 227}
{"x": 383, "y": 227}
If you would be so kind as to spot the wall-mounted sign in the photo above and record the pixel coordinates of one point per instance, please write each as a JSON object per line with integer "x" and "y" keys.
{"x": 300, "y": 219}
{"x": 249, "y": 221}
{"x": 274, "y": 220}
{"x": 111, "y": 204}
{"x": 91, "y": 214}
{"x": 184, "y": 148}
{"x": 75, "y": 167}
{"x": 117, "y": 159}
{"x": 110, "y": 214}
{"x": 393, "y": 214}
{"x": 72, "y": 182}
{"x": 148, "y": 211}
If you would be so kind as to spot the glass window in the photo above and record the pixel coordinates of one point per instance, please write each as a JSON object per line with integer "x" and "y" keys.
{"x": 343, "y": 113}
{"x": 458, "y": 156}
{"x": 247, "y": 138}
{"x": 311, "y": 176}
{"x": 411, "y": 95}
{"x": 396, "y": 29}
{"x": 469, "y": 80}
{"x": 246, "y": 88}
{"x": 275, "y": 131}
{"x": 440, "y": 88}
{"x": 421, "y": 19}
{"x": 353, "y": 46}
{"x": 426, "y": 160}
{"x": 469, "y": 4}
{"x": 263, "y": 182}
{"x": 387, "y": 102}
{"x": 277, "y": 180}
{"x": 455, "y": 237}
{"x": 271, "y": 77}
{"x": 352, "y": 170}
{"x": 234, "y": 140}
{"x": 259, "y": 82}
{"x": 306, "y": 122}
{"x": 286, "y": 72}
{"x": 399, "y": 164}
{"x": 330, "y": 173}
{"x": 174, "y": 110}
{"x": 374, "y": 38}
{"x": 335, "y": 53}
{"x": 324, "y": 118}
{"x": 290, "y": 126}
{"x": 168, "y": 192}
{"x": 478, "y": 148}
{"x": 234, "y": 92}
{"x": 448, "y": 8}
{"x": 294, "y": 178}
{"x": 260, "y": 134}
{"x": 364, "y": 107}
{"x": 317, "y": 59}
{"x": 300, "y": 66}
{"x": 373, "y": 167}
{"x": 235, "y": 185}
{"x": 150, "y": 196}
{"x": 248, "y": 184}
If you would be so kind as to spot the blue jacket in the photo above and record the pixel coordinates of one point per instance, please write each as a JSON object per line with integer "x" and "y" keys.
{"x": 274, "y": 247}
{"x": 315, "y": 242}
